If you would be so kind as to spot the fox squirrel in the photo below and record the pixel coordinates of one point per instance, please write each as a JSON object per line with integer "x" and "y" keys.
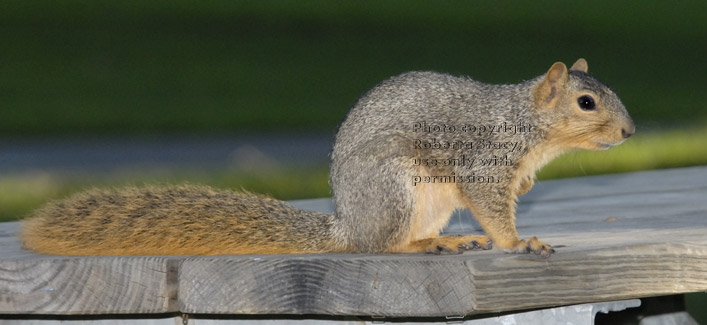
{"x": 411, "y": 151}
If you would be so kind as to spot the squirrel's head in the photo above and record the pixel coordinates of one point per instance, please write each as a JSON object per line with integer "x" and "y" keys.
{"x": 583, "y": 112}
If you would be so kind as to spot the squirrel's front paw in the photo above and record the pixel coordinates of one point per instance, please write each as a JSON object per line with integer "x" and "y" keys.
{"x": 525, "y": 185}
{"x": 532, "y": 245}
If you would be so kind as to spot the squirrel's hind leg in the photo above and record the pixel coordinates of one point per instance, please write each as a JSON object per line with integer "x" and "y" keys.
{"x": 448, "y": 244}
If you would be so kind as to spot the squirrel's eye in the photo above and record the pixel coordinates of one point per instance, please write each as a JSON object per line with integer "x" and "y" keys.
{"x": 586, "y": 103}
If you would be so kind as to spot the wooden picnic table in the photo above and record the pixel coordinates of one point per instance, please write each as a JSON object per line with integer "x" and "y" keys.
{"x": 618, "y": 237}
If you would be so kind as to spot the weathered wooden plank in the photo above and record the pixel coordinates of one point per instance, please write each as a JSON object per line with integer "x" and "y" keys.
{"x": 440, "y": 286}
{"x": 591, "y": 275}
{"x": 41, "y": 284}
{"x": 656, "y": 245}
{"x": 327, "y": 284}
{"x": 662, "y": 199}
{"x": 87, "y": 286}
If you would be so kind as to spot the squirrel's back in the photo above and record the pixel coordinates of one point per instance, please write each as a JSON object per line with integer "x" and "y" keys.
{"x": 178, "y": 220}
{"x": 399, "y": 101}
{"x": 396, "y": 105}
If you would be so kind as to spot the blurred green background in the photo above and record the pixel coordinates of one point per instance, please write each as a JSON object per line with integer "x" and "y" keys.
{"x": 85, "y": 69}
{"x": 78, "y": 69}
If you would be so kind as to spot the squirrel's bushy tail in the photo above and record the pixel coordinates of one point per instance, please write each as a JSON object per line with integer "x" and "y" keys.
{"x": 181, "y": 220}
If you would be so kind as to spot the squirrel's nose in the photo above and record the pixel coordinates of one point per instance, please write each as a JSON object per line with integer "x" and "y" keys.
{"x": 628, "y": 131}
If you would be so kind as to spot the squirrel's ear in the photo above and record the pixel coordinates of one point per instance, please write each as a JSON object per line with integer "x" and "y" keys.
{"x": 549, "y": 88}
{"x": 580, "y": 65}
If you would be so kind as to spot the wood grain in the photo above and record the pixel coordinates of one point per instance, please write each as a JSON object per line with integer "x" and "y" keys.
{"x": 41, "y": 284}
{"x": 618, "y": 236}
{"x": 335, "y": 285}
{"x": 439, "y": 286}
{"x": 100, "y": 285}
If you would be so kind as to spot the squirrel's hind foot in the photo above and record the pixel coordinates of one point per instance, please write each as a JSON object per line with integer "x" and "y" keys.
{"x": 450, "y": 244}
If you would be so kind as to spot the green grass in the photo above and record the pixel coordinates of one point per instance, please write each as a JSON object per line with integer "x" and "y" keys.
{"x": 650, "y": 150}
